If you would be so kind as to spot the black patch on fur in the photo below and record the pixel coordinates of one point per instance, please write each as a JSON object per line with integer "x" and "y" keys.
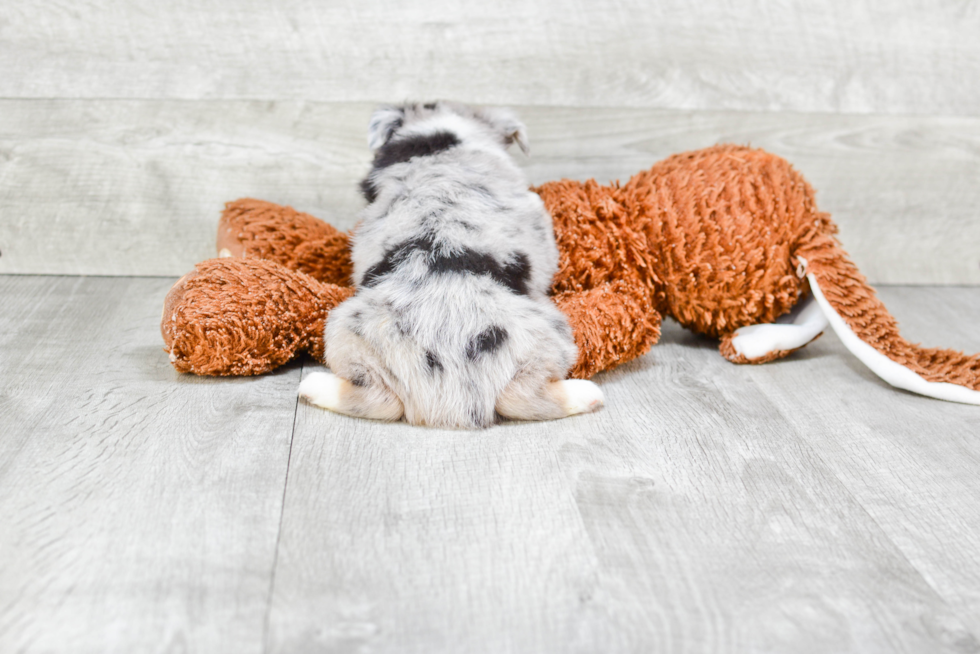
{"x": 420, "y": 145}
{"x": 359, "y": 379}
{"x": 513, "y": 275}
{"x": 394, "y": 257}
{"x": 432, "y": 360}
{"x": 517, "y": 273}
{"x": 392, "y": 152}
{"x": 369, "y": 190}
{"x": 488, "y": 341}
{"x": 429, "y": 105}
{"x": 395, "y": 125}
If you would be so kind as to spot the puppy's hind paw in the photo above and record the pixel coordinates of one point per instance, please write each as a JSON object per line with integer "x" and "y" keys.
{"x": 581, "y": 396}
{"x": 322, "y": 389}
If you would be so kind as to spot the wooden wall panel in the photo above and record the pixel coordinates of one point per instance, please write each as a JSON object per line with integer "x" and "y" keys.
{"x": 135, "y": 187}
{"x": 906, "y": 56}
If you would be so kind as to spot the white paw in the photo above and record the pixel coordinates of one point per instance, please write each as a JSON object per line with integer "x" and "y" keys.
{"x": 224, "y": 253}
{"x": 581, "y": 396}
{"x": 322, "y": 389}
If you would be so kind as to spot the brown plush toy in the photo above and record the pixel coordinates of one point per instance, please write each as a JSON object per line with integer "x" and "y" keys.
{"x": 726, "y": 240}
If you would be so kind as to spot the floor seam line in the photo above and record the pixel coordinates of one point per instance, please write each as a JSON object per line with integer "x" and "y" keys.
{"x": 282, "y": 512}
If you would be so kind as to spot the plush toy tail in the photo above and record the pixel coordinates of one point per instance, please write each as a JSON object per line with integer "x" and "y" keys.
{"x": 871, "y": 333}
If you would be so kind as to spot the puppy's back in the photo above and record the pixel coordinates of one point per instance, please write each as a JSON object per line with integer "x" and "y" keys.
{"x": 453, "y": 259}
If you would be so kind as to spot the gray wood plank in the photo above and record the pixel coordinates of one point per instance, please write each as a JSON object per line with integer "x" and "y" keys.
{"x": 690, "y": 515}
{"x": 140, "y": 509}
{"x": 860, "y": 57}
{"x": 913, "y": 464}
{"x": 135, "y": 187}
{"x": 410, "y": 540}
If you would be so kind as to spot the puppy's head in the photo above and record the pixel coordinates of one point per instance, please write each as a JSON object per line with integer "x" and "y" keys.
{"x": 468, "y": 124}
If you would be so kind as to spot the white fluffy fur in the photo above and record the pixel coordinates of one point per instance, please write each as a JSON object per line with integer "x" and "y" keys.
{"x": 440, "y": 334}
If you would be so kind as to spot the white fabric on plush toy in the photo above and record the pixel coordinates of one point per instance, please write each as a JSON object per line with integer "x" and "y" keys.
{"x": 803, "y": 325}
{"x": 810, "y": 318}
{"x": 895, "y": 374}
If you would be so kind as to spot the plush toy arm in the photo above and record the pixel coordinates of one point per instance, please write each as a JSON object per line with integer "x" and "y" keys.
{"x": 238, "y": 316}
{"x": 612, "y": 324}
{"x": 609, "y": 303}
{"x": 257, "y": 229}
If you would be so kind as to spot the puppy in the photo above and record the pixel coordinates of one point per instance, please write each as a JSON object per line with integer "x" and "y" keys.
{"x": 451, "y": 323}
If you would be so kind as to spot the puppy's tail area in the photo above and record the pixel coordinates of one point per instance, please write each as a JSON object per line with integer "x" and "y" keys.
{"x": 871, "y": 334}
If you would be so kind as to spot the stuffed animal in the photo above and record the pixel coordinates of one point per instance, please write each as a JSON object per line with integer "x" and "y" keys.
{"x": 727, "y": 240}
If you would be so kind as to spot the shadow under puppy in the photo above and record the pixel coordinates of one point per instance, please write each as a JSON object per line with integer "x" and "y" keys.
{"x": 453, "y": 258}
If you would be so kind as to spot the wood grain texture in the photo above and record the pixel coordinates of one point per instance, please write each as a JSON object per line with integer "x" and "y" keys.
{"x": 135, "y": 187}
{"x": 140, "y": 509}
{"x": 690, "y": 515}
{"x": 910, "y": 56}
{"x": 914, "y": 466}
{"x": 414, "y": 540}
{"x": 801, "y": 506}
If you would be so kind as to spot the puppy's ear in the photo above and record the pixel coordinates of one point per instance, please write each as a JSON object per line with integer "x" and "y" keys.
{"x": 385, "y": 121}
{"x": 506, "y": 123}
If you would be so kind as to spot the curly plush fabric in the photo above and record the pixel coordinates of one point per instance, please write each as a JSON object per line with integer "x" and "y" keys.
{"x": 236, "y": 316}
{"x": 611, "y": 326}
{"x": 260, "y": 230}
{"x": 709, "y": 235}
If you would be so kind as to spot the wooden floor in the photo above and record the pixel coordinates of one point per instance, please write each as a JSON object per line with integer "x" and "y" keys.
{"x": 801, "y": 506}
{"x": 798, "y": 507}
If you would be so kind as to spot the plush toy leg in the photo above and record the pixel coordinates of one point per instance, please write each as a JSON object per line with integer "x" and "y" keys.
{"x": 764, "y": 343}
{"x": 329, "y": 391}
{"x": 529, "y": 399}
{"x": 612, "y": 323}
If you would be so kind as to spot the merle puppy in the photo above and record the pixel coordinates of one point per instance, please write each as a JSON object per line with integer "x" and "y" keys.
{"x": 453, "y": 258}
